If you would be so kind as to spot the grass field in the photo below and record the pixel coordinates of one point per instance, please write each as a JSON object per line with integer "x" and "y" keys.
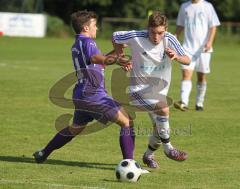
{"x": 30, "y": 67}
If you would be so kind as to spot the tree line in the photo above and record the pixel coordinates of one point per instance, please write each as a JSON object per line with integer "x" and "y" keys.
{"x": 227, "y": 10}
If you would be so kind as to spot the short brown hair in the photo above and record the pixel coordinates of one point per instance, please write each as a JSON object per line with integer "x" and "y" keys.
{"x": 157, "y": 19}
{"x": 80, "y": 18}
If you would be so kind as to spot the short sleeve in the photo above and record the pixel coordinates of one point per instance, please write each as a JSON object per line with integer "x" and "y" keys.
{"x": 180, "y": 18}
{"x": 214, "y": 21}
{"x": 174, "y": 44}
{"x": 126, "y": 37}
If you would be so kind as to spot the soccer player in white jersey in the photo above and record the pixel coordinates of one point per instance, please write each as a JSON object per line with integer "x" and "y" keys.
{"x": 152, "y": 53}
{"x": 199, "y": 20}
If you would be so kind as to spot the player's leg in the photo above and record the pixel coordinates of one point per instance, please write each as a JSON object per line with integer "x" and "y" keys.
{"x": 161, "y": 118}
{"x": 186, "y": 86}
{"x": 108, "y": 110}
{"x": 127, "y": 135}
{"x": 154, "y": 143}
{"x": 202, "y": 69}
{"x": 145, "y": 103}
{"x": 155, "y": 140}
{"x": 64, "y": 136}
{"x": 201, "y": 90}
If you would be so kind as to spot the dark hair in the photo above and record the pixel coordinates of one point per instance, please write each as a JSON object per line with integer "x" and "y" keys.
{"x": 157, "y": 19}
{"x": 81, "y": 18}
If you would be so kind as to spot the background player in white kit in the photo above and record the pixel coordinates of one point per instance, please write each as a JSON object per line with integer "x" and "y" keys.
{"x": 199, "y": 20}
{"x": 152, "y": 52}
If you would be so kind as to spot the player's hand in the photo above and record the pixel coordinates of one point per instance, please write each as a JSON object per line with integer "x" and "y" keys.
{"x": 127, "y": 67}
{"x": 207, "y": 47}
{"x": 123, "y": 59}
{"x": 125, "y": 62}
{"x": 124, "y": 45}
{"x": 171, "y": 53}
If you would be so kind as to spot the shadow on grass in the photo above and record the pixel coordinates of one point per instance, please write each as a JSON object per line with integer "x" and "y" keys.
{"x": 93, "y": 165}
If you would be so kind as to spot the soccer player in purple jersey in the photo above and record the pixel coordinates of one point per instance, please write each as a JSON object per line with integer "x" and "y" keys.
{"x": 89, "y": 95}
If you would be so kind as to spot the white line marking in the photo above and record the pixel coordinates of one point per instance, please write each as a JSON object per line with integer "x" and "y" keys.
{"x": 6, "y": 181}
{"x": 3, "y": 64}
{"x": 18, "y": 66}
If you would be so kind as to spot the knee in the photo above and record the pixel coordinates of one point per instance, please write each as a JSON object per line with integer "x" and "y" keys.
{"x": 187, "y": 75}
{"x": 76, "y": 129}
{"x": 123, "y": 119}
{"x": 131, "y": 123}
{"x": 201, "y": 80}
{"x": 162, "y": 111}
{"x": 201, "y": 77}
{"x": 165, "y": 111}
{"x": 124, "y": 123}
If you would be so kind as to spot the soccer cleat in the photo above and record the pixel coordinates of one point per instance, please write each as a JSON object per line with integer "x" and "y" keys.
{"x": 199, "y": 108}
{"x": 150, "y": 161}
{"x": 180, "y": 105}
{"x": 39, "y": 156}
{"x": 176, "y": 155}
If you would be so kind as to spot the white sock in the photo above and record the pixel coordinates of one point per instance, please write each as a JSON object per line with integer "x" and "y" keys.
{"x": 153, "y": 144}
{"x": 201, "y": 91}
{"x": 186, "y": 87}
{"x": 163, "y": 128}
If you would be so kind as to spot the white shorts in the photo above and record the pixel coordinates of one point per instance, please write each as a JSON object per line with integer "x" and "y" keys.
{"x": 200, "y": 64}
{"x": 148, "y": 103}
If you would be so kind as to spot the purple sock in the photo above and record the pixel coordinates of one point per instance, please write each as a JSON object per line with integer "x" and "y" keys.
{"x": 127, "y": 142}
{"x": 59, "y": 140}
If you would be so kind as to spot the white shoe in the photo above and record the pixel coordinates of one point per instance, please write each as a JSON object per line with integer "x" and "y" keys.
{"x": 180, "y": 105}
{"x": 144, "y": 171}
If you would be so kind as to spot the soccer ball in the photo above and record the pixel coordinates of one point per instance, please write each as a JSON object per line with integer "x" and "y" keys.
{"x": 128, "y": 170}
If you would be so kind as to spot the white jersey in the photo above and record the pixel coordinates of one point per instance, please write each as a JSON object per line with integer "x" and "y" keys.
{"x": 197, "y": 19}
{"x": 151, "y": 66}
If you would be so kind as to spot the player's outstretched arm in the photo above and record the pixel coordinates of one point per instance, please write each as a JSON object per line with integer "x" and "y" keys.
{"x": 108, "y": 59}
{"x": 182, "y": 59}
{"x": 123, "y": 60}
{"x": 113, "y": 58}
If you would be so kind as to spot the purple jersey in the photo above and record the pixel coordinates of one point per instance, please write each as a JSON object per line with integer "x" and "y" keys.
{"x": 89, "y": 95}
{"x": 90, "y": 76}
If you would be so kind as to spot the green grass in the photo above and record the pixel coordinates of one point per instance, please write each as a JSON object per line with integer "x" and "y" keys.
{"x": 30, "y": 67}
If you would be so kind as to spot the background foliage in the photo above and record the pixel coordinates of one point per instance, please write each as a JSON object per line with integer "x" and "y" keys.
{"x": 59, "y": 11}
{"x": 228, "y": 10}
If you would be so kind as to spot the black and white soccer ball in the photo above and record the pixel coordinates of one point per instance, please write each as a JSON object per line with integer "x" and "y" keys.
{"x": 128, "y": 170}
